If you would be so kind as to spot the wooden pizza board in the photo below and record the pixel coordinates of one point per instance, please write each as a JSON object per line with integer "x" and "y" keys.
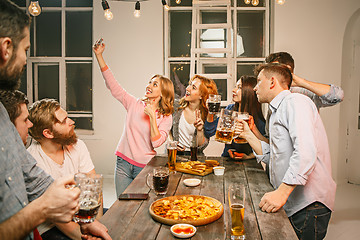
{"x": 197, "y": 222}
{"x": 180, "y": 168}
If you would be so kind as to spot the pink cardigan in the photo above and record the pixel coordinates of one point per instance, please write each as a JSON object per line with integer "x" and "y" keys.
{"x": 135, "y": 145}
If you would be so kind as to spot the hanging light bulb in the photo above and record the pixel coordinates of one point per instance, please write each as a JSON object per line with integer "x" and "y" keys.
{"x": 137, "y": 9}
{"x": 255, "y": 2}
{"x": 34, "y": 8}
{"x": 107, "y": 13}
{"x": 166, "y": 7}
{"x": 247, "y": 1}
{"x": 280, "y": 2}
{"x": 178, "y": 1}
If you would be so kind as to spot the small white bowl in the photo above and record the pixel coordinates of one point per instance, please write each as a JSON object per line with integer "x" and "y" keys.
{"x": 218, "y": 171}
{"x": 184, "y": 226}
{"x": 192, "y": 182}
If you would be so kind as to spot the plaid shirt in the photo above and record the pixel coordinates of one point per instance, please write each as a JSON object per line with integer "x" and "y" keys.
{"x": 21, "y": 181}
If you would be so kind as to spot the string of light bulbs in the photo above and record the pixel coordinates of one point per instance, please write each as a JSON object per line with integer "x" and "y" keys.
{"x": 35, "y": 9}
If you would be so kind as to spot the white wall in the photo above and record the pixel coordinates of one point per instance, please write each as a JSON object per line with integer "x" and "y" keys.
{"x": 312, "y": 31}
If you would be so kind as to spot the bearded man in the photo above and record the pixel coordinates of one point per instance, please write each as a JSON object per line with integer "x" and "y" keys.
{"x": 59, "y": 152}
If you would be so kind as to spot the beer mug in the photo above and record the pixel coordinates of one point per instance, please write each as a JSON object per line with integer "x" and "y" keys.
{"x": 225, "y": 128}
{"x": 160, "y": 180}
{"x": 236, "y": 197}
{"x": 90, "y": 196}
{"x": 213, "y": 103}
{"x": 238, "y": 116}
{"x": 172, "y": 150}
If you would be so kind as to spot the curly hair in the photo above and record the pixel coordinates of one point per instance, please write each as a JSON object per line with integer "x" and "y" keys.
{"x": 207, "y": 87}
{"x": 12, "y": 101}
{"x": 42, "y": 115}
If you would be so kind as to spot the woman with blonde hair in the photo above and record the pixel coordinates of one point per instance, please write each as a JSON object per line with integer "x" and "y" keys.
{"x": 148, "y": 122}
{"x": 190, "y": 115}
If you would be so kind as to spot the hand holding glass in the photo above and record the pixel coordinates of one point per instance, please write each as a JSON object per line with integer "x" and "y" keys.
{"x": 90, "y": 197}
{"x": 240, "y": 116}
{"x": 213, "y": 103}
{"x": 225, "y": 128}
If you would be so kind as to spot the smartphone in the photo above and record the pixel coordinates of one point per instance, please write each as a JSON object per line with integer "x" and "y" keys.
{"x": 133, "y": 196}
{"x": 98, "y": 42}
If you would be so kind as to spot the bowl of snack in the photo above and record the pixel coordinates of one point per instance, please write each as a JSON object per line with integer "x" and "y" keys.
{"x": 182, "y": 230}
{"x": 192, "y": 182}
{"x": 218, "y": 171}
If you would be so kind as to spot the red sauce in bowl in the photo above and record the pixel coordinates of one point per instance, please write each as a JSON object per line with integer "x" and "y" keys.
{"x": 183, "y": 230}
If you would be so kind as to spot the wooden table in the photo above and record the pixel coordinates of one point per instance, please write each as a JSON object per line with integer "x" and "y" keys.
{"x": 130, "y": 219}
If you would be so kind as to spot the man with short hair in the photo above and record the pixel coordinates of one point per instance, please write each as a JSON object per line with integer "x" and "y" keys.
{"x": 59, "y": 152}
{"x": 29, "y": 196}
{"x": 297, "y": 154}
{"x": 15, "y": 103}
{"x": 323, "y": 95}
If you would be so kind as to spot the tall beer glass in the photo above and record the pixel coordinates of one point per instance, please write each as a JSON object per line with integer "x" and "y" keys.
{"x": 225, "y": 127}
{"x": 236, "y": 196}
{"x": 172, "y": 150}
{"x": 238, "y": 116}
{"x": 90, "y": 196}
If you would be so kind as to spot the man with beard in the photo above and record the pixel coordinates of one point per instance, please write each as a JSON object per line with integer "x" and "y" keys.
{"x": 16, "y": 103}
{"x": 59, "y": 152}
{"x": 29, "y": 196}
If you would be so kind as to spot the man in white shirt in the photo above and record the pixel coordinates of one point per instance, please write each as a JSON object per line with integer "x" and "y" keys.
{"x": 58, "y": 151}
{"x": 297, "y": 154}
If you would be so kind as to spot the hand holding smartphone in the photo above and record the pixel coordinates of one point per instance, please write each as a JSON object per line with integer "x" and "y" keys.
{"x": 133, "y": 196}
{"x": 98, "y": 42}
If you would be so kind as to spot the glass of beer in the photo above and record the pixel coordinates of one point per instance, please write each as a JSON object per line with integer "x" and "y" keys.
{"x": 225, "y": 128}
{"x": 238, "y": 116}
{"x": 236, "y": 196}
{"x": 160, "y": 180}
{"x": 213, "y": 103}
{"x": 172, "y": 150}
{"x": 90, "y": 196}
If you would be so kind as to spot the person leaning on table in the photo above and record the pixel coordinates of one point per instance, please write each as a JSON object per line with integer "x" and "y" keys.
{"x": 298, "y": 155}
{"x": 29, "y": 196}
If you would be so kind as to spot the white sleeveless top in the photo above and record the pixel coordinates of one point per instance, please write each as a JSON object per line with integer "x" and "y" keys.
{"x": 186, "y": 133}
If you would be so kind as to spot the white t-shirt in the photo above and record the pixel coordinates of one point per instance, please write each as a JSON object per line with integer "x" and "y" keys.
{"x": 76, "y": 159}
{"x": 186, "y": 133}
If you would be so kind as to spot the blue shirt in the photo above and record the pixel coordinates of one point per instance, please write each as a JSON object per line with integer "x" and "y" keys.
{"x": 21, "y": 181}
{"x": 298, "y": 153}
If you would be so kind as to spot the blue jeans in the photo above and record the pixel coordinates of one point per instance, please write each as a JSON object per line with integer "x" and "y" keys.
{"x": 311, "y": 222}
{"x": 125, "y": 173}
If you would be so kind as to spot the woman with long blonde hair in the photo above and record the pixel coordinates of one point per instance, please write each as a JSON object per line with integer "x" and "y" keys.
{"x": 190, "y": 115}
{"x": 136, "y": 146}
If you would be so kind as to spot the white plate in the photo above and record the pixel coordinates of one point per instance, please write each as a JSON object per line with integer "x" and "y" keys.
{"x": 182, "y": 235}
{"x": 192, "y": 182}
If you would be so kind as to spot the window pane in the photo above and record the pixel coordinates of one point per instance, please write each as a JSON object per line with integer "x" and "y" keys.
{"x": 79, "y": 3}
{"x": 245, "y": 69}
{"x": 213, "y": 38}
{"x": 180, "y": 34}
{"x": 48, "y": 81}
{"x": 220, "y": 83}
{"x": 78, "y": 34}
{"x": 241, "y": 3}
{"x": 48, "y": 34}
{"x": 180, "y": 77}
{"x": 182, "y": 3}
{"x": 251, "y": 31}
{"x": 79, "y": 87}
{"x": 20, "y": 3}
{"x": 83, "y": 122}
{"x": 50, "y": 3}
{"x": 23, "y": 85}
